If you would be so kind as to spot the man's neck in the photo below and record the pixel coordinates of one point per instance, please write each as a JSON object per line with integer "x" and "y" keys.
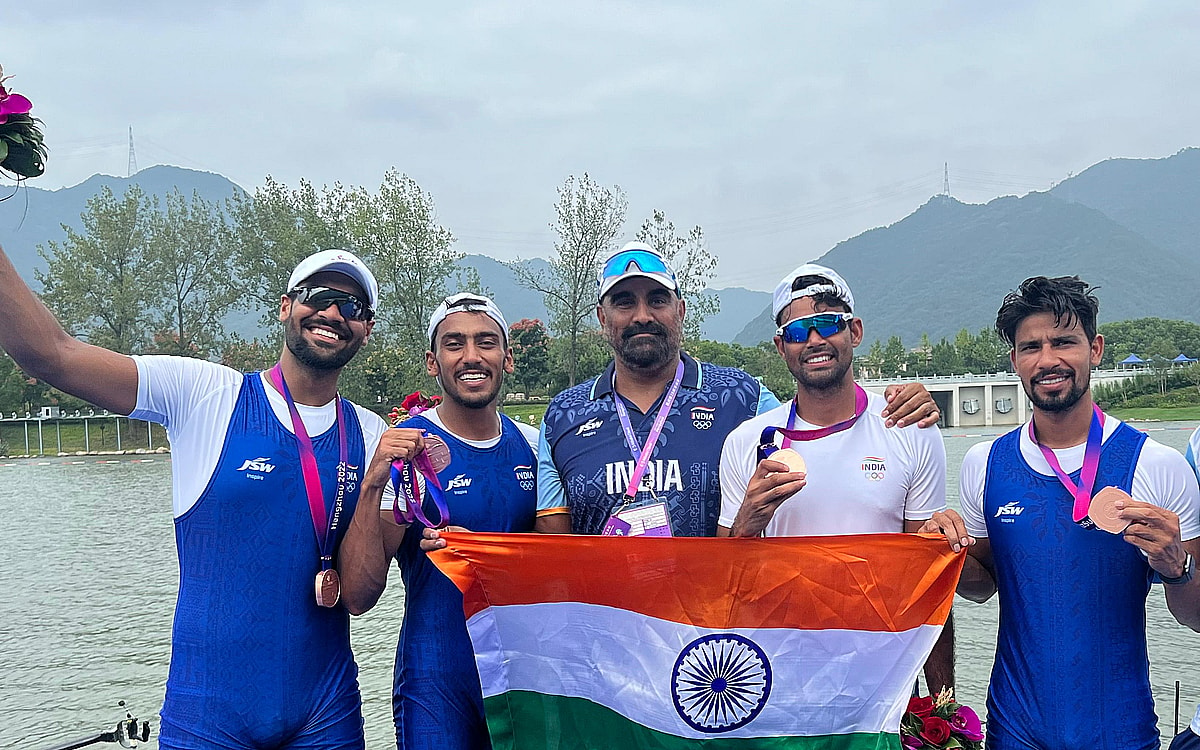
{"x": 644, "y": 386}
{"x": 1064, "y": 429}
{"x": 825, "y": 406}
{"x": 308, "y": 386}
{"x": 470, "y": 424}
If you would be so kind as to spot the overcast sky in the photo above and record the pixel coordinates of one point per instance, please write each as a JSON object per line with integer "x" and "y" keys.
{"x": 781, "y": 128}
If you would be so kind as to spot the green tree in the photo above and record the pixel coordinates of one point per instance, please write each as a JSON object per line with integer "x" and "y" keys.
{"x": 410, "y": 253}
{"x": 381, "y": 376}
{"x": 531, "y": 355}
{"x": 276, "y": 228}
{"x": 592, "y": 355}
{"x": 99, "y": 282}
{"x": 588, "y": 218}
{"x": 985, "y": 353}
{"x": 895, "y": 357}
{"x": 945, "y": 359}
{"x": 694, "y": 267}
{"x": 190, "y": 258}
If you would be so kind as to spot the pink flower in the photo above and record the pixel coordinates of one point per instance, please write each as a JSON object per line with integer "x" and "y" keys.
{"x": 966, "y": 722}
{"x": 11, "y": 104}
{"x": 912, "y": 743}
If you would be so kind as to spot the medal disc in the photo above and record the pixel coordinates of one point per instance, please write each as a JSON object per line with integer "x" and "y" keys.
{"x": 794, "y": 461}
{"x": 1103, "y": 510}
{"x": 437, "y": 451}
{"x": 328, "y": 588}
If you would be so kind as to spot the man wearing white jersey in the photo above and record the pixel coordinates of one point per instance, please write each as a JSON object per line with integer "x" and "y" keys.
{"x": 857, "y": 475}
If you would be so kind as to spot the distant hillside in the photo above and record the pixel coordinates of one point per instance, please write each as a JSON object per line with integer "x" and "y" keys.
{"x": 948, "y": 265}
{"x": 34, "y": 216}
{"x": 1157, "y": 198}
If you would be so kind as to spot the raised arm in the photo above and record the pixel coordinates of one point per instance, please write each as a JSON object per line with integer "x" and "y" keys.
{"x": 36, "y": 341}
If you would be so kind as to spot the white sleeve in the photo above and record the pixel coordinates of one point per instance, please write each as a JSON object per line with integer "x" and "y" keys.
{"x": 530, "y": 435}
{"x": 1163, "y": 477}
{"x": 927, "y": 491}
{"x": 970, "y": 487}
{"x": 738, "y": 462}
{"x": 1193, "y": 452}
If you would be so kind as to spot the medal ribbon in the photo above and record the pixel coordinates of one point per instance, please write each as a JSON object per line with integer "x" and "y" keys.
{"x": 1082, "y": 493}
{"x": 323, "y": 525}
{"x": 404, "y": 480}
{"x": 642, "y": 455}
{"x": 767, "y": 440}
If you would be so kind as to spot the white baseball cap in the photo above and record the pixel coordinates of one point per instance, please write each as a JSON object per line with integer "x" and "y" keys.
{"x": 784, "y": 294}
{"x": 465, "y": 302}
{"x": 340, "y": 261}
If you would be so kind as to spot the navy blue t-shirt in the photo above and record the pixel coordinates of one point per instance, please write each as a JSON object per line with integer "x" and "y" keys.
{"x": 584, "y": 462}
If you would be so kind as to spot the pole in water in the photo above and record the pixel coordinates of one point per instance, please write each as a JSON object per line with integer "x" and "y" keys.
{"x": 1176, "y": 708}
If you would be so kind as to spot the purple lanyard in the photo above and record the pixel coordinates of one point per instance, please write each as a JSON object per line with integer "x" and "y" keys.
{"x": 1082, "y": 492}
{"x": 404, "y": 480}
{"x": 642, "y": 455}
{"x": 324, "y": 526}
{"x": 767, "y": 439}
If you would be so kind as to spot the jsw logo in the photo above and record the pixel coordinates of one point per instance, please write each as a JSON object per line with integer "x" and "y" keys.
{"x": 1009, "y": 509}
{"x": 462, "y": 480}
{"x": 262, "y": 463}
{"x": 589, "y": 426}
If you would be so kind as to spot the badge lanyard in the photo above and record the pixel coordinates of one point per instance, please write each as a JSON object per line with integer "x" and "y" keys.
{"x": 323, "y": 525}
{"x": 642, "y": 455}
{"x": 1082, "y": 492}
{"x": 404, "y": 480}
{"x": 767, "y": 441}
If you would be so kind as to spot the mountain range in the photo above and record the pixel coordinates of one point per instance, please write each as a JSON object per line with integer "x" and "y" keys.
{"x": 1128, "y": 226}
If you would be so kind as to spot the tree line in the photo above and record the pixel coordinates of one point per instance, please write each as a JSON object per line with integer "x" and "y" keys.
{"x": 151, "y": 276}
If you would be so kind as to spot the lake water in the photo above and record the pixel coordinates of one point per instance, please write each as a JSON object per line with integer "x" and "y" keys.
{"x": 87, "y": 552}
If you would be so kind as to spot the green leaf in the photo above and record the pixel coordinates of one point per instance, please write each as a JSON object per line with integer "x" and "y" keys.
{"x": 3, "y": 150}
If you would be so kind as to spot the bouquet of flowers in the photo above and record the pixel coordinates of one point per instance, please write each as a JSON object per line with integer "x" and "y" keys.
{"x": 940, "y": 723}
{"x": 22, "y": 151}
{"x": 412, "y": 405}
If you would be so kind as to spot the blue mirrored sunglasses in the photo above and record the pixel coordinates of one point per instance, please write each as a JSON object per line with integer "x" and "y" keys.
{"x": 321, "y": 297}
{"x": 825, "y": 324}
{"x": 646, "y": 261}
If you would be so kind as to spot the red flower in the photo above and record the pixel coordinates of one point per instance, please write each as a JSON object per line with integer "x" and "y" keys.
{"x": 936, "y": 731}
{"x": 920, "y": 706}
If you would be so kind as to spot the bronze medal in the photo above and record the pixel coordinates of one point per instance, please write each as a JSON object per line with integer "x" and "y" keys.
{"x": 328, "y": 588}
{"x": 795, "y": 462}
{"x": 1103, "y": 510}
{"x": 438, "y": 452}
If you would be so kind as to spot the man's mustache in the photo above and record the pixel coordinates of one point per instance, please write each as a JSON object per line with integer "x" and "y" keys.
{"x": 639, "y": 328}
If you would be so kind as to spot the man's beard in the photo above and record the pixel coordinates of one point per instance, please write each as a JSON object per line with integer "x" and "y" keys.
{"x": 480, "y": 401}
{"x": 819, "y": 381}
{"x": 1062, "y": 402}
{"x": 314, "y": 358}
{"x": 647, "y": 354}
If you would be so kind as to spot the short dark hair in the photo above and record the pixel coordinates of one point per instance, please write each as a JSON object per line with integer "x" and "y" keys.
{"x": 829, "y": 299}
{"x": 1068, "y": 298}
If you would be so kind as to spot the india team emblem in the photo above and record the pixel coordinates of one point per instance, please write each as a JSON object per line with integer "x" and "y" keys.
{"x": 720, "y": 682}
{"x": 703, "y": 417}
{"x": 524, "y": 476}
{"x": 873, "y": 468}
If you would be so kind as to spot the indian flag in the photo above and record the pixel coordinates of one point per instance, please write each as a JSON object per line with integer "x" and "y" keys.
{"x": 641, "y": 642}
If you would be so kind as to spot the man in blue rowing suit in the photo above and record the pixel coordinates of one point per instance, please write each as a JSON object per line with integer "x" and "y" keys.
{"x": 488, "y": 485}
{"x": 255, "y": 661}
{"x": 586, "y": 457}
{"x": 1189, "y": 738}
{"x": 1071, "y": 668}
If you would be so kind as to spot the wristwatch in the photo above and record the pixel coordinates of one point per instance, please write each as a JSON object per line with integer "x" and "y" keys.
{"x": 1189, "y": 569}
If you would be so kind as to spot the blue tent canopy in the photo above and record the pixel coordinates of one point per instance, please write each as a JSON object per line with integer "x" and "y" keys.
{"x": 1184, "y": 358}
{"x": 1134, "y": 359}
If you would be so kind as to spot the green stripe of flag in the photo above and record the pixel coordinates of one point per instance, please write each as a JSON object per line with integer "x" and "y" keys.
{"x": 524, "y": 720}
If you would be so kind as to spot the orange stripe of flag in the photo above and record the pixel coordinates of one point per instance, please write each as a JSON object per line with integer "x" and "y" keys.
{"x": 875, "y": 582}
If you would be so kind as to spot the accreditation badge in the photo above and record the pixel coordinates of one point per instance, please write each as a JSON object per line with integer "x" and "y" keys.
{"x": 651, "y": 519}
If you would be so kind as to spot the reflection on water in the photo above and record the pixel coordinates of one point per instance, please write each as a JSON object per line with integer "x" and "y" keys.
{"x": 88, "y": 556}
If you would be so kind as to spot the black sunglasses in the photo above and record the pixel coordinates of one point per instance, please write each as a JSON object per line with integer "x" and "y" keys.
{"x": 321, "y": 297}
